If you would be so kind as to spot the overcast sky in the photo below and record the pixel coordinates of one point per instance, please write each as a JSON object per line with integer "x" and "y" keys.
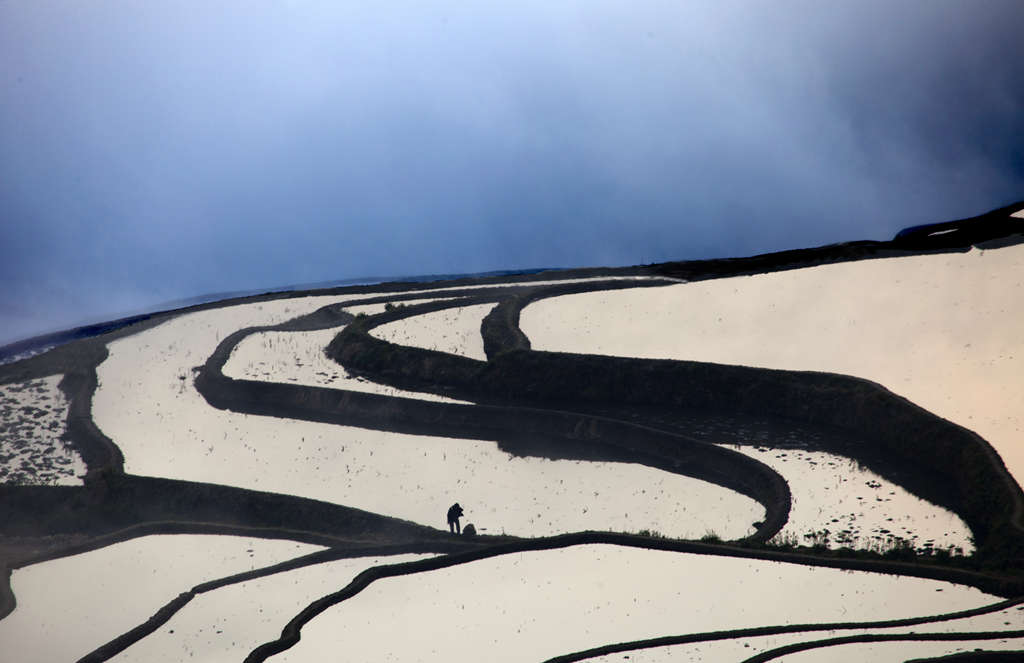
{"x": 156, "y": 150}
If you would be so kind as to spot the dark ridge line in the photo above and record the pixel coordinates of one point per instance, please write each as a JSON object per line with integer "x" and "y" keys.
{"x": 987, "y": 656}
{"x": 291, "y": 633}
{"x": 7, "y": 600}
{"x": 37, "y": 366}
{"x": 506, "y": 339}
{"x": 507, "y": 336}
{"x": 99, "y": 453}
{"x": 994, "y": 584}
{"x": 134, "y": 323}
{"x": 501, "y": 334}
{"x": 732, "y": 634}
{"x": 512, "y": 303}
{"x": 114, "y": 647}
{"x": 539, "y": 379}
{"x": 878, "y": 637}
{"x": 968, "y": 231}
{"x": 335, "y": 554}
{"x": 195, "y": 528}
{"x": 122, "y": 642}
{"x": 364, "y": 301}
{"x": 82, "y": 358}
{"x": 78, "y": 361}
{"x": 462, "y": 370}
{"x": 991, "y": 229}
{"x": 376, "y": 412}
{"x": 500, "y": 328}
{"x": 491, "y": 422}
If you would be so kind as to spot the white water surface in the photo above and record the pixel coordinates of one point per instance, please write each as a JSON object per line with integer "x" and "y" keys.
{"x": 452, "y": 330}
{"x": 536, "y": 605}
{"x": 229, "y": 622}
{"x": 300, "y": 358}
{"x": 944, "y": 330}
{"x": 846, "y": 504}
{"x": 68, "y": 607}
{"x": 740, "y": 649}
{"x": 166, "y": 429}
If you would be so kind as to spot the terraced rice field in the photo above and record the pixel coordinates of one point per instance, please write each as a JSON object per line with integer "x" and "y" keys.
{"x": 281, "y": 467}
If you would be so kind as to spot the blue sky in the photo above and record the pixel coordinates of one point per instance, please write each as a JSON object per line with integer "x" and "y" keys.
{"x": 151, "y": 151}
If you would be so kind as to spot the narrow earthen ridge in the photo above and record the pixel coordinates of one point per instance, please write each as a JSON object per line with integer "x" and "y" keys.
{"x": 976, "y": 656}
{"x": 908, "y": 442}
{"x": 710, "y": 636}
{"x": 994, "y": 228}
{"x": 164, "y": 614}
{"x": 500, "y": 327}
{"x": 291, "y": 633}
{"x": 882, "y": 637}
{"x": 957, "y": 469}
{"x": 7, "y": 600}
{"x": 131, "y": 506}
{"x": 118, "y": 645}
{"x": 98, "y": 452}
{"x": 58, "y": 359}
{"x": 566, "y": 434}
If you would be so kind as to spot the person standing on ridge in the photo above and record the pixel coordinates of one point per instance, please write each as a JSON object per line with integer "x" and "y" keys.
{"x": 454, "y": 513}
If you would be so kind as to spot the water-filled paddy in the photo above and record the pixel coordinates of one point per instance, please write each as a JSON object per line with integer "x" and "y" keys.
{"x": 942, "y": 330}
{"x": 227, "y": 623}
{"x": 67, "y": 607}
{"x": 532, "y": 606}
{"x": 298, "y": 358}
{"x": 740, "y": 649}
{"x": 453, "y": 330}
{"x": 837, "y": 502}
{"x": 166, "y": 429}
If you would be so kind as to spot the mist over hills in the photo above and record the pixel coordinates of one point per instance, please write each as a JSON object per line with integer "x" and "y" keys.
{"x": 152, "y": 152}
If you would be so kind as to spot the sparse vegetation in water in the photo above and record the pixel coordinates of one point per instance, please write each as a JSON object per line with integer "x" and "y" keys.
{"x": 654, "y": 534}
{"x": 838, "y": 545}
{"x": 784, "y": 540}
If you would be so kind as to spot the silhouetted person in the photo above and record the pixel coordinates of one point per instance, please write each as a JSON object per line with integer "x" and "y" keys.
{"x": 454, "y": 513}
{"x": 469, "y": 530}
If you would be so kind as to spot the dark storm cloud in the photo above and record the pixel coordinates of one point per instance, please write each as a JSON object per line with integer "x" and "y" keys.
{"x": 161, "y": 150}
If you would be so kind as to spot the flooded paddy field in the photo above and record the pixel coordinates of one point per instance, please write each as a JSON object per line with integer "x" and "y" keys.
{"x": 557, "y": 602}
{"x": 521, "y": 587}
{"x": 839, "y": 503}
{"x": 939, "y": 330}
{"x": 68, "y": 607}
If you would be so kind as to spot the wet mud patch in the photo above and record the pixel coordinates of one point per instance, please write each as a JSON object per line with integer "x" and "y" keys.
{"x": 34, "y": 447}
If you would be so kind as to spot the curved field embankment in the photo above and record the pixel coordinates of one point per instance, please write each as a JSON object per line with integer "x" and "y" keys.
{"x": 546, "y": 404}
{"x": 521, "y": 430}
{"x": 401, "y": 414}
{"x": 879, "y": 637}
{"x": 39, "y": 523}
{"x": 952, "y": 466}
{"x": 977, "y": 656}
{"x": 291, "y": 633}
{"x": 690, "y": 638}
{"x": 122, "y": 642}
